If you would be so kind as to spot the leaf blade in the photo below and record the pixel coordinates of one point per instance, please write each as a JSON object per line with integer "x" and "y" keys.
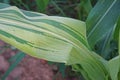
{"x": 101, "y": 21}
{"x": 62, "y": 34}
{"x": 114, "y": 64}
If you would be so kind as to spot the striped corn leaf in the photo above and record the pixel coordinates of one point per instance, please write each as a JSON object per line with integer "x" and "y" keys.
{"x": 53, "y": 38}
{"x": 41, "y": 35}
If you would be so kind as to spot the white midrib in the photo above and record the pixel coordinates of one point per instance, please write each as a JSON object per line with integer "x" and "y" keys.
{"x": 101, "y": 18}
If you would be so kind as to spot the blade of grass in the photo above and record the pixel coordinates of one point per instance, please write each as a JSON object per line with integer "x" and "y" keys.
{"x": 18, "y": 59}
{"x": 15, "y": 57}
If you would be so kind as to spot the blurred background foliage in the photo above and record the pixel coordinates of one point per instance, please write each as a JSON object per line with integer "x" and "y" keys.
{"x": 78, "y": 9}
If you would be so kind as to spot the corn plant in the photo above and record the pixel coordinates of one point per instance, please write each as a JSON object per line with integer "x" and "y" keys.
{"x": 64, "y": 40}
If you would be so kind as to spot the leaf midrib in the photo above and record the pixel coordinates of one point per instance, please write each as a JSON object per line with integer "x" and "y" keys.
{"x": 90, "y": 33}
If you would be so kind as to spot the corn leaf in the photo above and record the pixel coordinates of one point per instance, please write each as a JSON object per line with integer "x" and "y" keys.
{"x": 5, "y": 1}
{"x": 114, "y": 64}
{"x": 116, "y": 33}
{"x": 101, "y": 22}
{"x": 114, "y": 67}
{"x": 42, "y": 35}
{"x": 41, "y": 5}
{"x": 86, "y": 4}
{"x": 53, "y": 38}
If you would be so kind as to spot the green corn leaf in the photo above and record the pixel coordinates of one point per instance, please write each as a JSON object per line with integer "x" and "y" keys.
{"x": 84, "y": 8}
{"x": 3, "y": 5}
{"x": 53, "y": 38}
{"x": 41, "y": 5}
{"x": 86, "y": 4}
{"x": 114, "y": 67}
{"x": 101, "y": 21}
{"x": 116, "y": 33}
{"x": 5, "y": 1}
{"x": 119, "y": 35}
{"x": 114, "y": 64}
